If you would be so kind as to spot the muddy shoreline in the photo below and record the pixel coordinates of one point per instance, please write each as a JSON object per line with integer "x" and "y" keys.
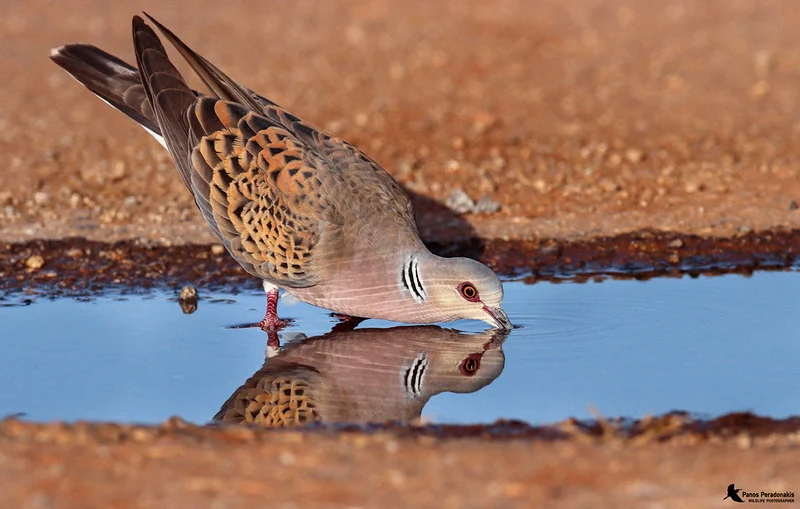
{"x": 76, "y": 267}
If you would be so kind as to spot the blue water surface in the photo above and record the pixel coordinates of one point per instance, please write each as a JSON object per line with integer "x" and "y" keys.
{"x": 707, "y": 345}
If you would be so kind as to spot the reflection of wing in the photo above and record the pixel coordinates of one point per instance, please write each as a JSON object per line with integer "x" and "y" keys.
{"x": 277, "y": 399}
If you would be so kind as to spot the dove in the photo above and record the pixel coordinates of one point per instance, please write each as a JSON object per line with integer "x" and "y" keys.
{"x": 365, "y": 375}
{"x": 298, "y": 207}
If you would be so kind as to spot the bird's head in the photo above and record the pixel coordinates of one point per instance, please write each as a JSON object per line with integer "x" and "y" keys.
{"x": 458, "y": 288}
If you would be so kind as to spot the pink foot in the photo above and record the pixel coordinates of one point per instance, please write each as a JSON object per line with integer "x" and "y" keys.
{"x": 271, "y": 322}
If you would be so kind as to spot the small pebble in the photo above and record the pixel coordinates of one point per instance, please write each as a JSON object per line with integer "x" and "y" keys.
{"x": 460, "y": 202}
{"x": 35, "y": 262}
{"x": 486, "y": 206}
{"x": 692, "y": 187}
{"x": 217, "y": 249}
{"x": 634, "y": 155}
{"x": 188, "y": 299}
{"x": 483, "y": 121}
{"x": 676, "y": 244}
{"x": 608, "y": 185}
{"x": 188, "y": 292}
{"x": 40, "y": 198}
{"x": 10, "y": 212}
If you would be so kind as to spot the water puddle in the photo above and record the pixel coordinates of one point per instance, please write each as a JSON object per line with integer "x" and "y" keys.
{"x": 707, "y": 345}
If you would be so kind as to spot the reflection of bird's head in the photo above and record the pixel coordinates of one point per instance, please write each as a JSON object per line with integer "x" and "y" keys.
{"x": 460, "y": 363}
{"x": 365, "y": 375}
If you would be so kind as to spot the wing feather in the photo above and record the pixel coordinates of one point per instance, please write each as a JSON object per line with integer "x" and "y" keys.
{"x": 281, "y": 194}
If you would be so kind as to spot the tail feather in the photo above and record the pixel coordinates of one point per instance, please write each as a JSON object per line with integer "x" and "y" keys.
{"x": 168, "y": 93}
{"x": 217, "y": 81}
{"x": 109, "y": 78}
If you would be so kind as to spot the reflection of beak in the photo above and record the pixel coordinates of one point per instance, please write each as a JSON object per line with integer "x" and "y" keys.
{"x": 498, "y": 317}
{"x": 498, "y": 338}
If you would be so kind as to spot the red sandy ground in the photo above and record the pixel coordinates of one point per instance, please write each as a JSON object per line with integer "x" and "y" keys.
{"x": 580, "y": 117}
{"x": 184, "y": 466}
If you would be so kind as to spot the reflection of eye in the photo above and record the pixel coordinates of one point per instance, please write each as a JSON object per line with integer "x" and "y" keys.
{"x": 470, "y": 365}
{"x": 468, "y": 291}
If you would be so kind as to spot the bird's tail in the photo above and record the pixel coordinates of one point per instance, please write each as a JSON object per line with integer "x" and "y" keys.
{"x": 155, "y": 95}
{"x": 168, "y": 94}
{"x": 110, "y": 79}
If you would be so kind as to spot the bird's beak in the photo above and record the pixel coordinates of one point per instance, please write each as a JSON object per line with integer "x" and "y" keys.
{"x": 497, "y": 317}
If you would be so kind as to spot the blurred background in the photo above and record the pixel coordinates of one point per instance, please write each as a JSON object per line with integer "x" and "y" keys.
{"x": 577, "y": 117}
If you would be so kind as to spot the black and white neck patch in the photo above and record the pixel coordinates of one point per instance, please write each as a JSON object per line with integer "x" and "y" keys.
{"x": 411, "y": 280}
{"x": 412, "y": 379}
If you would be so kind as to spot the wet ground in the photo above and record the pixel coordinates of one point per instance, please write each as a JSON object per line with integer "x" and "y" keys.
{"x": 628, "y": 142}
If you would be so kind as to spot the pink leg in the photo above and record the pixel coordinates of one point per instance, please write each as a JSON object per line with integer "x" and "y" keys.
{"x": 271, "y": 320}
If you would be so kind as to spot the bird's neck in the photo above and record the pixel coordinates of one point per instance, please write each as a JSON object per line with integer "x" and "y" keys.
{"x": 391, "y": 287}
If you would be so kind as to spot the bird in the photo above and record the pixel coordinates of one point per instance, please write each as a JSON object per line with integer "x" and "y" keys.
{"x": 733, "y": 494}
{"x": 297, "y": 207}
{"x": 365, "y": 375}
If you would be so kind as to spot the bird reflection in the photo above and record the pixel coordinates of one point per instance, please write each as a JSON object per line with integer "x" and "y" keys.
{"x": 364, "y": 375}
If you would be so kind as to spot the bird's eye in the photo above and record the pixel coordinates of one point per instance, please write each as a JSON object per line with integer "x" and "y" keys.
{"x": 468, "y": 291}
{"x": 470, "y": 365}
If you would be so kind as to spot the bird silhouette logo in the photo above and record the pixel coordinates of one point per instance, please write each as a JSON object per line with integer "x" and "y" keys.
{"x": 733, "y": 494}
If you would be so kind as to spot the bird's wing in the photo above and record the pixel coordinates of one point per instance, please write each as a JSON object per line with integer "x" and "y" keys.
{"x": 346, "y": 172}
{"x": 270, "y": 186}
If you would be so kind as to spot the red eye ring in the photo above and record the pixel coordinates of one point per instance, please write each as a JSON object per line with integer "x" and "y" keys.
{"x": 468, "y": 291}
{"x": 470, "y": 365}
